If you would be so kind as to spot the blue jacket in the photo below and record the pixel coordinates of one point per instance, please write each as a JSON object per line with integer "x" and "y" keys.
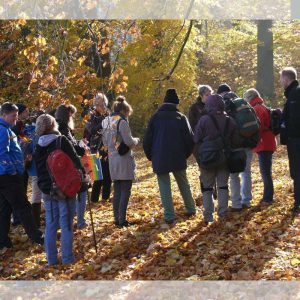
{"x": 168, "y": 141}
{"x": 11, "y": 157}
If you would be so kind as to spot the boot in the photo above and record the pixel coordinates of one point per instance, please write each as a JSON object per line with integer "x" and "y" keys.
{"x": 36, "y": 212}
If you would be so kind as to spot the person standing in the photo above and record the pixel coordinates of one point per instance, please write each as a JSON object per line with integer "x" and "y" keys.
{"x": 197, "y": 110}
{"x": 213, "y": 125}
{"x": 12, "y": 192}
{"x": 290, "y": 129}
{"x": 266, "y": 146}
{"x": 118, "y": 139}
{"x": 93, "y": 133}
{"x": 168, "y": 142}
{"x": 59, "y": 212}
{"x": 65, "y": 115}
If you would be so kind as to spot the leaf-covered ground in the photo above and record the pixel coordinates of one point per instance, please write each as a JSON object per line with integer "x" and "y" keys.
{"x": 260, "y": 243}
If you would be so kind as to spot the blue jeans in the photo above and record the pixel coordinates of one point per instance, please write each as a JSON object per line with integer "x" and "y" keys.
{"x": 242, "y": 194}
{"x": 293, "y": 147}
{"x": 80, "y": 209}
{"x": 59, "y": 213}
{"x": 265, "y": 166}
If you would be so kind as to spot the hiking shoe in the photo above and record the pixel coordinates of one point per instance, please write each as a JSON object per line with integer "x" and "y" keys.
{"x": 125, "y": 224}
{"x": 39, "y": 241}
{"x": 295, "y": 210}
{"x": 170, "y": 221}
{"x": 266, "y": 203}
{"x": 233, "y": 209}
{"x": 190, "y": 214}
{"x": 246, "y": 206}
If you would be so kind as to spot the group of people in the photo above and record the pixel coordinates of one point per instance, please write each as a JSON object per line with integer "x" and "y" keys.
{"x": 209, "y": 132}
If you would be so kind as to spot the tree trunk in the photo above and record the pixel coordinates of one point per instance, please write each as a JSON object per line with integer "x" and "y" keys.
{"x": 295, "y": 9}
{"x": 265, "y": 59}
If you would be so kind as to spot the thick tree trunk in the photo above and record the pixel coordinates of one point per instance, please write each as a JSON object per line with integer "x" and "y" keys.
{"x": 265, "y": 59}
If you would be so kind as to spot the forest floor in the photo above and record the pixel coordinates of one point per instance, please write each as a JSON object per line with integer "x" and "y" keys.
{"x": 259, "y": 243}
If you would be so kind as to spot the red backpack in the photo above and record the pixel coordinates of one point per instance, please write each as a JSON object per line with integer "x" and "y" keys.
{"x": 66, "y": 178}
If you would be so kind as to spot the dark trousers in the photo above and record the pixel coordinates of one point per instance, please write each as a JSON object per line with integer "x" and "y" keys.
{"x": 122, "y": 192}
{"x": 265, "y": 166}
{"x": 293, "y": 147}
{"x": 13, "y": 198}
{"x": 105, "y": 184}
{"x": 25, "y": 178}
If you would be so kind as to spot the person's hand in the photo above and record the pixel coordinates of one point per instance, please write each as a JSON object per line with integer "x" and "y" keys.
{"x": 137, "y": 140}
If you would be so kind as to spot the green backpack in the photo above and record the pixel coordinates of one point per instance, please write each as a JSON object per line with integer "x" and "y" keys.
{"x": 247, "y": 122}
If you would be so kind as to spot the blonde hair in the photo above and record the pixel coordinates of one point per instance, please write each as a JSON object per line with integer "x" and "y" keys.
{"x": 251, "y": 94}
{"x": 45, "y": 124}
{"x": 121, "y": 105}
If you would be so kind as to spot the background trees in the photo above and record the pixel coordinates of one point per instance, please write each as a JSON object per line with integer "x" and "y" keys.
{"x": 47, "y": 62}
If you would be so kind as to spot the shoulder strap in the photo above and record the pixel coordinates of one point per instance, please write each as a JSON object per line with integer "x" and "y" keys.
{"x": 58, "y": 142}
{"x": 226, "y": 128}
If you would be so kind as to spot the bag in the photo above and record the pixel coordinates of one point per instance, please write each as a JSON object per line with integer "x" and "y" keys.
{"x": 247, "y": 122}
{"x": 275, "y": 120}
{"x": 122, "y": 148}
{"x": 237, "y": 160}
{"x": 92, "y": 166}
{"x": 66, "y": 178}
{"x": 212, "y": 153}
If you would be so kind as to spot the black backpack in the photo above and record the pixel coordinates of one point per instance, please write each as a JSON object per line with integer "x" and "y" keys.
{"x": 275, "y": 120}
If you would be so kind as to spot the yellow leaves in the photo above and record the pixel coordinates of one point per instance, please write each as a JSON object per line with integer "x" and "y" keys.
{"x": 40, "y": 41}
{"x": 295, "y": 262}
{"x": 81, "y": 60}
{"x": 52, "y": 61}
{"x": 133, "y": 62}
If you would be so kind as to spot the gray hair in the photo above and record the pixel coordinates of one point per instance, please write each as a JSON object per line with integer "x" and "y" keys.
{"x": 289, "y": 72}
{"x": 202, "y": 89}
{"x": 251, "y": 94}
{"x": 100, "y": 99}
{"x": 45, "y": 124}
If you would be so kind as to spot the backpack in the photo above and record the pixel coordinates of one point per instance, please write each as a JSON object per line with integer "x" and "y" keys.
{"x": 66, "y": 178}
{"x": 275, "y": 120}
{"x": 122, "y": 148}
{"x": 217, "y": 152}
{"x": 247, "y": 122}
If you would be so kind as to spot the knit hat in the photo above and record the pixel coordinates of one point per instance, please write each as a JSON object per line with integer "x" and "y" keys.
{"x": 171, "y": 97}
{"x": 21, "y": 107}
{"x": 223, "y": 88}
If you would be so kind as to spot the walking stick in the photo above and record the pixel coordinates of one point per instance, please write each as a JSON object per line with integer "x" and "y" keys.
{"x": 91, "y": 215}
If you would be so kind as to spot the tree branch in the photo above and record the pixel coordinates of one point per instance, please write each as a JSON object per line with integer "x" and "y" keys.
{"x": 186, "y": 38}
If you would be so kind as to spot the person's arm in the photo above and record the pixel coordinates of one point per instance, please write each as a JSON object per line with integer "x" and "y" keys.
{"x": 5, "y": 160}
{"x": 187, "y": 135}
{"x": 199, "y": 132}
{"x": 148, "y": 141}
{"x": 126, "y": 135}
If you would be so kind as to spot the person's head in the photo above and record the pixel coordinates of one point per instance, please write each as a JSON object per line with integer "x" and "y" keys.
{"x": 9, "y": 113}
{"x": 215, "y": 104}
{"x": 204, "y": 92}
{"x": 251, "y": 94}
{"x": 46, "y": 124}
{"x": 287, "y": 76}
{"x": 23, "y": 112}
{"x": 100, "y": 103}
{"x": 121, "y": 106}
{"x": 65, "y": 114}
{"x": 171, "y": 97}
{"x": 223, "y": 89}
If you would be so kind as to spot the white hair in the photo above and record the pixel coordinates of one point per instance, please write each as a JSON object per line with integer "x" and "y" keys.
{"x": 251, "y": 94}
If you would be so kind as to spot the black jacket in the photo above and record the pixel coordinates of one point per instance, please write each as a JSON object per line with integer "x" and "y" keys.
{"x": 40, "y": 156}
{"x": 197, "y": 110}
{"x": 291, "y": 111}
{"x": 67, "y": 132}
{"x": 168, "y": 141}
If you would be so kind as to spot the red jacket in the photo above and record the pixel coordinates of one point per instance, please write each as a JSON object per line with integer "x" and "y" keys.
{"x": 268, "y": 141}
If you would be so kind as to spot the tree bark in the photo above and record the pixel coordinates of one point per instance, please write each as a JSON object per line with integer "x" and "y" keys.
{"x": 265, "y": 59}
